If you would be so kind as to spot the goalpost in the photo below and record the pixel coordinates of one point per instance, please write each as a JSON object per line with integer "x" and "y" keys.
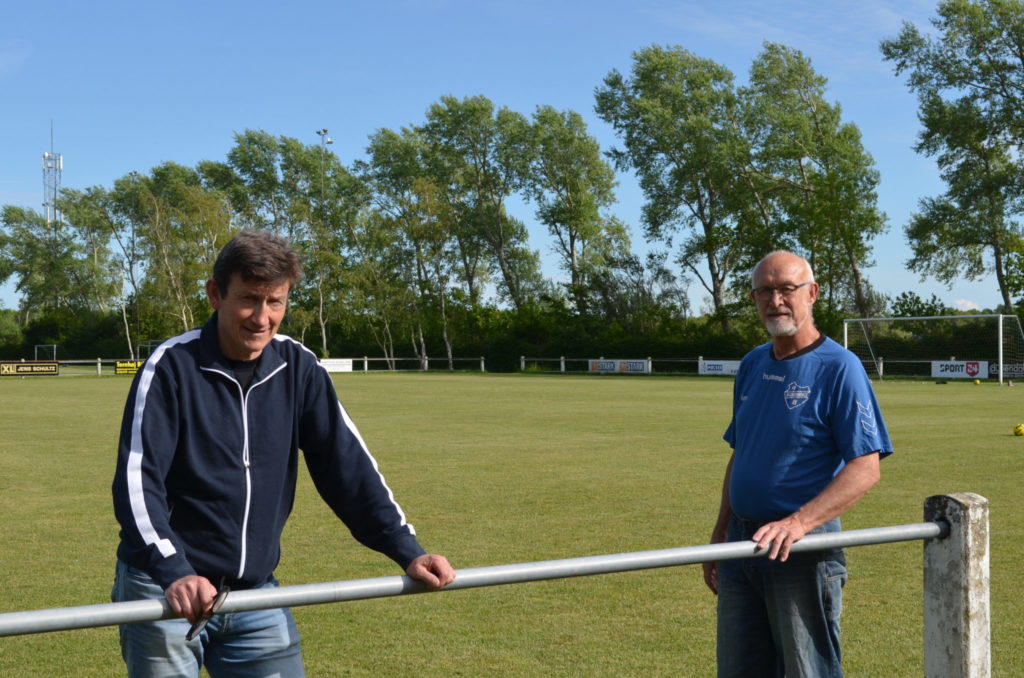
{"x": 982, "y": 346}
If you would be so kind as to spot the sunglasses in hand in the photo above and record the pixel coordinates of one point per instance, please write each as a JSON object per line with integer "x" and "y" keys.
{"x": 222, "y": 593}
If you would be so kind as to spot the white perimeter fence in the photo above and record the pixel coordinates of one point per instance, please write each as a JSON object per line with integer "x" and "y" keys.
{"x": 956, "y": 583}
{"x": 650, "y": 365}
{"x": 106, "y": 366}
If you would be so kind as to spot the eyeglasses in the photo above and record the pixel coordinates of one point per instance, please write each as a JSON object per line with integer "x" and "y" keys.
{"x": 785, "y": 291}
{"x": 222, "y": 594}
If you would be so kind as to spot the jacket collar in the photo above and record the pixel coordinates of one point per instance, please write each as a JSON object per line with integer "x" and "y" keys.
{"x": 211, "y": 357}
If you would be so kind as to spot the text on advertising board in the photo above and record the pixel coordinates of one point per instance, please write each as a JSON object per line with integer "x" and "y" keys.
{"x": 960, "y": 369}
{"x": 25, "y": 368}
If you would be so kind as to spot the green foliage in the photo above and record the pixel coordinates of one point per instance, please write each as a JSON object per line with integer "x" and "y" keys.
{"x": 969, "y": 79}
{"x": 742, "y": 171}
{"x": 910, "y": 305}
{"x": 571, "y": 184}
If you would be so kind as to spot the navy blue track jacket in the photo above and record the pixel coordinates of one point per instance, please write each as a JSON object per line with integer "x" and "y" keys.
{"x": 205, "y": 475}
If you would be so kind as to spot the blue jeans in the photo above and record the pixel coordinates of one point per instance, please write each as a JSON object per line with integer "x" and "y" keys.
{"x": 261, "y": 643}
{"x": 780, "y": 619}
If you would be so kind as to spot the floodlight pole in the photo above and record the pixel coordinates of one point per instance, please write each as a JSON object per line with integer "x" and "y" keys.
{"x": 324, "y": 141}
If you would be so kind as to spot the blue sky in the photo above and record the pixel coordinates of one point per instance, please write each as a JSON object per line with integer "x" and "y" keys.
{"x": 128, "y": 85}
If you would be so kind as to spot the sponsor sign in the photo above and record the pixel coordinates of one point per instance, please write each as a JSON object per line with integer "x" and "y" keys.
{"x": 718, "y": 367}
{"x": 128, "y": 366}
{"x": 1010, "y": 370}
{"x": 10, "y": 368}
{"x": 960, "y": 369}
{"x": 337, "y": 364}
{"x": 621, "y": 366}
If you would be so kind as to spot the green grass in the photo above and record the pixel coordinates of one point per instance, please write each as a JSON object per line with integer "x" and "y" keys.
{"x": 497, "y": 469}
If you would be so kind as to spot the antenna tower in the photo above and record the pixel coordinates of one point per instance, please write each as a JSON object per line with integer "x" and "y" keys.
{"x": 53, "y": 164}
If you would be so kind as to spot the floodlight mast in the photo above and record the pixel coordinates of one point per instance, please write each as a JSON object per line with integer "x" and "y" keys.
{"x": 324, "y": 141}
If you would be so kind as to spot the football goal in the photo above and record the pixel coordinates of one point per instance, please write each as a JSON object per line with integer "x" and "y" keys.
{"x": 981, "y": 346}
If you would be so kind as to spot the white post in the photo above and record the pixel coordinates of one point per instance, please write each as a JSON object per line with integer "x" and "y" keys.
{"x": 482, "y": 364}
{"x": 561, "y": 364}
{"x": 366, "y": 364}
{"x": 99, "y": 367}
{"x": 1000, "y": 350}
{"x": 957, "y": 641}
{"x": 881, "y": 367}
{"x": 650, "y": 365}
{"x": 522, "y": 363}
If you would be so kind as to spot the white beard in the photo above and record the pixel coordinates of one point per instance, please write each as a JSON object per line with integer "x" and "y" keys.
{"x": 781, "y": 326}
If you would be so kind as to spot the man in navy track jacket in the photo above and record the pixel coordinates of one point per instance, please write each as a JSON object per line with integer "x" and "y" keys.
{"x": 206, "y": 473}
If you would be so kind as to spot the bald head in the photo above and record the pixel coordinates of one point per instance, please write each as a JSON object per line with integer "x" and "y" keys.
{"x": 783, "y": 259}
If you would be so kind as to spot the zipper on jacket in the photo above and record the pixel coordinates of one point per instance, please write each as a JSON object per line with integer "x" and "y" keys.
{"x": 246, "y": 458}
{"x": 247, "y": 463}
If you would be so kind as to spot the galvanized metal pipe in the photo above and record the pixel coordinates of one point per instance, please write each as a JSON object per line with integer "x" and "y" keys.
{"x": 66, "y": 618}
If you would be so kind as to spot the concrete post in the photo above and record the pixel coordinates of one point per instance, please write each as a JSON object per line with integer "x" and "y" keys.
{"x": 956, "y": 589}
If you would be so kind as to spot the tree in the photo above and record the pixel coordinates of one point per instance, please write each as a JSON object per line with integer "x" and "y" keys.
{"x": 911, "y": 305}
{"x": 571, "y": 183}
{"x": 183, "y": 226}
{"x": 969, "y": 80}
{"x": 379, "y": 295}
{"x": 813, "y": 185}
{"x": 424, "y": 225}
{"x": 480, "y": 155}
{"x": 56, "y": 265}
{"x": 744, "y": 171}
{"x": 677, "y": 115}
{"x": 123, "y": 214}
{"x": 93, "y": 213}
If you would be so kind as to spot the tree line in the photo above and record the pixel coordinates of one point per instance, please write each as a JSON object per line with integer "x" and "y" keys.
{"x": 412, "y": 251}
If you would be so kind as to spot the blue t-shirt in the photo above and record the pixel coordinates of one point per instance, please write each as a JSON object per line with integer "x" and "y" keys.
{"x": 795, "y": 424}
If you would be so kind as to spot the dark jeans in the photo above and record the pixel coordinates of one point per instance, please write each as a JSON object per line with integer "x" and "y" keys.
{"x": 780, "y": 619}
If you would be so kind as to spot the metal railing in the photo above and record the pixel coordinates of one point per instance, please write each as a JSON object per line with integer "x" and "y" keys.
{"x": 956, "y": 583}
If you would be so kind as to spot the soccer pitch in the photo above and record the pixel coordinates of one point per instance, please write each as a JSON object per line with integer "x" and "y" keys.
{"x": 495, "y": 469}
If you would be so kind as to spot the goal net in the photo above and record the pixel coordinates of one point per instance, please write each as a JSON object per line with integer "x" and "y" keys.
{"x": 982, "y": 346}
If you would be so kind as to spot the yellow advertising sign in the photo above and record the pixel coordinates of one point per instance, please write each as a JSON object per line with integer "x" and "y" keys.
{"x": 25, "y": 368}
{"x": 128, "y": 366}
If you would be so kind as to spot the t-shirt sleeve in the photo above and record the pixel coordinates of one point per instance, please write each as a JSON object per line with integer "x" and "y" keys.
{"x": 730, "y": 433}
{"x": 858, "y": 424}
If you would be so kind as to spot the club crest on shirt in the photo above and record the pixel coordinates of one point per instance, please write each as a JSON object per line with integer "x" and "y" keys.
{"x": 796, "y": 395}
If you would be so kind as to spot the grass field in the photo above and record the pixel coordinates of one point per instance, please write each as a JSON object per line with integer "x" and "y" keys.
{"x": 499, "y": 469}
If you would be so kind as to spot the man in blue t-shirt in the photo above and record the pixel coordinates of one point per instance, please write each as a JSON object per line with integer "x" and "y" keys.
{"x": 807, "y": 436}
